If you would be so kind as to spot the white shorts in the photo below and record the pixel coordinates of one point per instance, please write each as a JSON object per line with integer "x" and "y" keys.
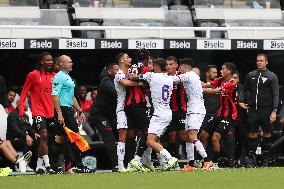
{"x": 159, "y": 124}
{"x": 193, "y": 121}
{"x": 121, "y": 120}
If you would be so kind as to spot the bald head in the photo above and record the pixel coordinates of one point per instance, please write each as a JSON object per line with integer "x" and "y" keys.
{"x": 65, "y": 63}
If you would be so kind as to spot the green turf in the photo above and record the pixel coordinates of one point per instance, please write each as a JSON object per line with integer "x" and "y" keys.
{"x": 261, "y": 178}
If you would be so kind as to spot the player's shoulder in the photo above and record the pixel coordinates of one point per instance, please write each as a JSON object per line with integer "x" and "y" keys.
{"x": 34, "y": 73}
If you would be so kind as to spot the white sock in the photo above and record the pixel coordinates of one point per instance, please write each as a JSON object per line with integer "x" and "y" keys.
{"x": 189, "y": 151}
{"x": 39, "y": 163}
{"x": 46, "y": 160}
{"x": 166, "y": 155}
{"x": 120, "y": 154}
{"x": 200, "y": 149}
{"x": 147, "y": 155}
{"x": 137, "y": 159}
{"x": 161, "y": 159}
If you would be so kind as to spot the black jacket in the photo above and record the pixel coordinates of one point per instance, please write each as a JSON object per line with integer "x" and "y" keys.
{"x": 18, "y": 128}
{"x": 105, "y": 102}
{"x": 263, "y": 90}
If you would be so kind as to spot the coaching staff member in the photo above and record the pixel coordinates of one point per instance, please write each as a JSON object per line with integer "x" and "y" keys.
{"x": 102, "y": 113}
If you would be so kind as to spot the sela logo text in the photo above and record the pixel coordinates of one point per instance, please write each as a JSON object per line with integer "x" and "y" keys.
{"x": 76, "y": 44}
{"x": 179, "y": 44}
{"x": 40, "y": 44}
{"x": 214, "y": 45}
{"x": 277, "y": 45}
{"x": 111, "y": 45}
{"x": 7, "y": 44}
{"x": 247, "y": 44}
{"x": 146, "y": 44}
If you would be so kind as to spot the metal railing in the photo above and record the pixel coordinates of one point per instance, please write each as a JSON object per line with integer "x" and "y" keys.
{"x": 112, "y": 29}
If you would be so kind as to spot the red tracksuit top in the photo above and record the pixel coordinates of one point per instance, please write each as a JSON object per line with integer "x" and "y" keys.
{"x": 40, "y": 86}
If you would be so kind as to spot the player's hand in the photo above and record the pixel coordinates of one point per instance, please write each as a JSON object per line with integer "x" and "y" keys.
{"x": 37, "y": 136}
{"x": 244, "y": 106}
{"x": 217, "y": 90}
{"x": 272, "y": 117}
{"x": 81, "y": 118}
{"x": 29, "y": 140}
{"x": 60, "y": 118}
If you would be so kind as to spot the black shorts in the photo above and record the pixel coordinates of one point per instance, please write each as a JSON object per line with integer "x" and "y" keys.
{"x": 40, "y": 122}
{"x": 219, "y": 125}
{"x": 178, "y": 122}
{"x": 259, "y": 118}
{"x": 205, "y": 120}
{"x": 281, "y": 113}
{"x": 69, "y": 120}
{"x": 137, "y": 116}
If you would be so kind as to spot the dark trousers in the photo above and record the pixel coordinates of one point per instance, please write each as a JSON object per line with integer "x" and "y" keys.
{"x": 104, "y": 126}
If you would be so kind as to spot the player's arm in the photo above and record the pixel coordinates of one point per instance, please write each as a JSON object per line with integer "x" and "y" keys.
{"x": 211, "y": 90}
{"x": 275, "y": 94}
{"x": 132, "y": 77}
{"x": 81, "y": 115}
{"x": 56, "y": 103}
{"x": 128, "y": 83}
{"x": 24, "y": 93}
{"x": 243, "y": 94}
{"x": 56, "y": 90}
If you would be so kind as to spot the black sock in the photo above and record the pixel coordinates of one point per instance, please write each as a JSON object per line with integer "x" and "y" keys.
{"x": 216, "y": 155}
{"x": 173, "y": 149}
{"x": 142, "y": 146}
{"x": 251, "y": 148}
{"x": 130, "y": 147}
{"x": 266, "y": 144}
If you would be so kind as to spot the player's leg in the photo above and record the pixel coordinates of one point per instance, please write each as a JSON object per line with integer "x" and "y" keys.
{"x": 122, "y": 137}
{"x": 266, "y": 138}
{"x": 253, "y": 126}
{"x": 43, "y": 159}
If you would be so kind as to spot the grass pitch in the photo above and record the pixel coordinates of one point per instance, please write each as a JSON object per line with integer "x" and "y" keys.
{"x": 260, "y": 178}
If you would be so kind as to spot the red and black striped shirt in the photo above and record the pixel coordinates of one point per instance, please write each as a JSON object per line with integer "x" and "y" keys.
{"x": 178, "y": 99}
{"x": 136, "y": 95}
{"x": 228, "y": 98}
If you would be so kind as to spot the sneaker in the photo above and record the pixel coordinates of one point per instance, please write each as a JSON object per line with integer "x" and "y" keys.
{"x": 123, "y": 170}
{"x": 60, "y": 170}
{"x": 40, "y": 171}
{"x": 134, "y": 164}
{"x": 29, "y": 169}
{"x": 4, "y": 172}
{"x": 214, "y": 167}
{"x": 188, "y": 168}
{"x": 149, "y": 166}
{"x": 171, "y": 163}
{"x": 207, "y": 165}
{"x": 26, "y": 157}
{"x": 49, "y": 170}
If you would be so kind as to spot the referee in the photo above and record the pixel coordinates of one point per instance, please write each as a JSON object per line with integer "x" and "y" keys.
{"x": 64, "y": 102}
{"x": 262, "y": 90}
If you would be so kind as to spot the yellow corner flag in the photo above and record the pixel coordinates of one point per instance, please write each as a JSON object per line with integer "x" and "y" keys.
{"x": 80, "y": 141}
